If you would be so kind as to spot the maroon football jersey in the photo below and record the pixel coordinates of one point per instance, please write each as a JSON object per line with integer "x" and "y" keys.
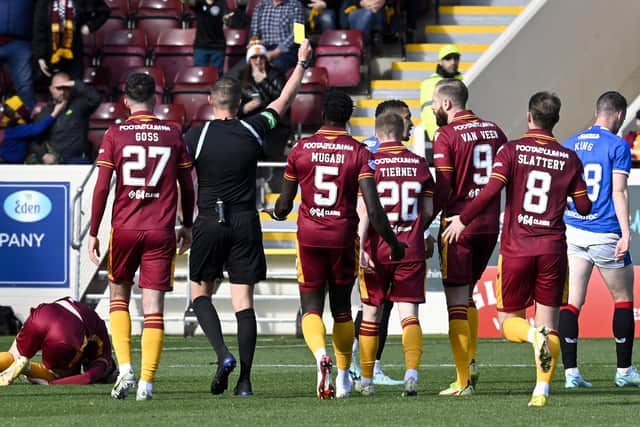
{"x": 464, "y": 150}
{"x": 146, "y": 154}
{"x": 328, "y": 166}
{"x": 402, "y": 179}
{"x": 67, "y": 337}
{"x": 539, "y": 174}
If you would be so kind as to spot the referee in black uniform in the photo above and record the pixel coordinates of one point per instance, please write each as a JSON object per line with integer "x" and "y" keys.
{"x": 227, "y": 231}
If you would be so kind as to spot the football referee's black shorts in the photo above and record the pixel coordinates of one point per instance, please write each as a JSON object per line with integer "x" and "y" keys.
{"x": 235, "y": 245}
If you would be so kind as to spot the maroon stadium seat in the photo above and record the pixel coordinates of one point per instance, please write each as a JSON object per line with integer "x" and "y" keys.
{"x": 120, "y": 9}
{"x": 251, "y": 5}
{"x": 204, "y": 114}
{"x": 174, "y": 51}
{"x": 191, "y": 87}
{"x": 123, "y": 49}
{"x": 171, "y": 112}
{"x": 100, "y": 79}
{"x": 236, "y": 46}
{"x": 306, "y": 108}
{"x": 340, "y": 52}
{"x": 105, "y": 115}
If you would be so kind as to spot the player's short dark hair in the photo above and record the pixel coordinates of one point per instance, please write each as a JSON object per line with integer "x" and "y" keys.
{"x": 390, "y": 124}
{"x": 390, "y": 104}
{"x": 545, "y": 109}
{"x": 140, "y": 87}
{"x": 611, "y": 102}
{"x": 337, "y": 107}
{"x": 226, "y": 93}
{"x": 453, "y": 89}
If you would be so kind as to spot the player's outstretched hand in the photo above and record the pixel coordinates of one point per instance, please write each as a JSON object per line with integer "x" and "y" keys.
{"x": 366, "y": 263}
{"x": 94, "y": 250}
{"x": 397, "y": 251}
{"x": 272, "y": 214}
{"x": 454, "y": 229}
{"x": 184, "y": 239}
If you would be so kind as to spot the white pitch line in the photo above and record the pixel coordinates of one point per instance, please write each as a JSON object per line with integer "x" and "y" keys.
{"x": 390, "y": 365}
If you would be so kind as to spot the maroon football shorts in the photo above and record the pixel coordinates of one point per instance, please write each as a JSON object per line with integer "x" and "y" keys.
{"x": 401, "y": 282}
{"x": 65, "y": 335}
{"x": 464, "y": 261}
{"x": 524, "y": 280}
{"x": 319, "y": 266}
{"x": 154, "y": 251}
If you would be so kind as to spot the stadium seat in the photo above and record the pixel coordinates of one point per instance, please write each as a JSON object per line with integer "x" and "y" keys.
{"x": 171, "y": 112}
{"x": 340, "y": 52}
{"x": 251, "y": 5}
{"x": 100, "y": 79}
{"x": 124, "y": 49}
{"x": 120, "y": 9}
{"x": 232, "y": 4}
{"x": 191, "y": 87}
{"x": 157, "y": 16}
{"x": 108, "y": 113}
{"x": 155, "y": 72}
{"x": 105, "y": 115}
{"x": 236, "y": 46}
{"x": 306, "y": 108}
{"x": 174, "y": 51}
{"x": 204, "y": 114}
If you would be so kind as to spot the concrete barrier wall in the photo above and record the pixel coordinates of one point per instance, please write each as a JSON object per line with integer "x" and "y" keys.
{"x": 576, "y": 48}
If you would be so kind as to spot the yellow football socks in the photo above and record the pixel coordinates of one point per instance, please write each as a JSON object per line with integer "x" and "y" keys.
{"x": 6, "y": 359}
{"x": 472, "y": 318}
{"x": 314, "y": 332}
{"x": 554, "y": 348}
{"x": 516, "y": 329}
{"x": 369, "y": 339}
{"x": 38, "y": 370}
{"x": 459, "y": 340}
{"x": 342, "y": 337}
{"x": 152, "y": 342}
{"x": 120, "y": 322}
{"x": 411, "y": 342}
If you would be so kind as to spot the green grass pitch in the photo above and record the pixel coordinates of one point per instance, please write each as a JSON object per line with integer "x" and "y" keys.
{"x": 284, "y": 382}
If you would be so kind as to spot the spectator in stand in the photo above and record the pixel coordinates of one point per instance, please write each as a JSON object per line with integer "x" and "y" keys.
{"x": 58, "y": 28}
{"x": 449, "y": 60}
{"x": 321, "y": 14}
{"x": 262, "y": 84}
{"x": 272, "y": 22}
{"x": 365, "y": 15}
{"x": 633, "y": 139}
{"x": 16, "y": 19}
{"x": 66, "y": 141}
{"x": 18, "y": 130}
{"x": 209, "y": 44}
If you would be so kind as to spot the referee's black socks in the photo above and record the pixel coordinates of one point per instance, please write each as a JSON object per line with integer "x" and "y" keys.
{"x": 247, "y": 332}
{"x": 210, "y": 324}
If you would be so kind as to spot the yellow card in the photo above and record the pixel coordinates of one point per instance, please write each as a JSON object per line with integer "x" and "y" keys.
{"x": 298, "y": 33}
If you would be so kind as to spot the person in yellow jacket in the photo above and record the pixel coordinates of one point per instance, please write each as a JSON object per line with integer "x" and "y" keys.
{"x": 448, "y": 62}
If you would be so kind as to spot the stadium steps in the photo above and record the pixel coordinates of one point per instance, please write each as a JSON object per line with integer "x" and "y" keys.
{"x": 472, "y": 26}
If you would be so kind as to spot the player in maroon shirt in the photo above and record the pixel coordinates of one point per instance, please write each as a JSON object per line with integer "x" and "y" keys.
{"x": 330, "y": 166}
{"x": 463, "y": 151}
{"x": 539, "y": 174}
{"x": 148, "y": 156}
{"x": 74, "y": 343}
{"x": 405, "y": 188}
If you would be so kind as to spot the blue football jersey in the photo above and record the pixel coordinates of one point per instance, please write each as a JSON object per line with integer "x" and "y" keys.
{"x": 602, "y": 154}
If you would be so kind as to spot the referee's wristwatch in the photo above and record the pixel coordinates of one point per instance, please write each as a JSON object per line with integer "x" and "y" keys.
{"x": 304, "y": 64}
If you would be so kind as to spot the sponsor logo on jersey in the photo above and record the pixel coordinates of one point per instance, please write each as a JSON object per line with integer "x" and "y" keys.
{"x": 141, "y": 195}
{"x": 322, "y": 212}
{"x": 27, "y": 206}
